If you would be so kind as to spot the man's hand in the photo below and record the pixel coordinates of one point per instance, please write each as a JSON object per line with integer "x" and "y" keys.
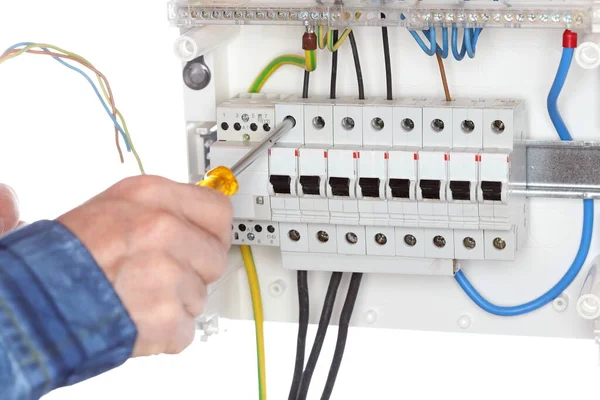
{"x": 9, "y": 209}
{"x": 159, "y": 243}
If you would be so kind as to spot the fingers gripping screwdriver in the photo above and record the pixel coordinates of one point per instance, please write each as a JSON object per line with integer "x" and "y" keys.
{"x": 224, "y": 179}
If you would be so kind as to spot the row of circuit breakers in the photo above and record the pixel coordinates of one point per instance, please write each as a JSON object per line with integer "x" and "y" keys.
{"x": 413, "y": 177}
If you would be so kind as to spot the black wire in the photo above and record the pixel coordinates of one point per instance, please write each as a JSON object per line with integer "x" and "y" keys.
{"x": 359, "y": 74}
{"x": 334, "y": 68}
{"x": 306, "y": 85}
{"x": 334, "y": 284}
{"x": 303, "y": 302}
{"x": 388, "y": 61}
{"x": 345, "y": 317}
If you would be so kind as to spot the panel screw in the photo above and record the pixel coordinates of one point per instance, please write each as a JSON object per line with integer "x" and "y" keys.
{"x": 381, "y": 239}
{"x": 245, "y": 118}
{"x": 294, "y": 235}
{"x": 499, "y": 243}
{"x": 351, "y": 238}
{"x": 410, "y": 240}
{"x": 251, "y": 236}
{"x": 439, "y": 241}
{"x": 469, "y": 243}
{"x": 323, "y": 236}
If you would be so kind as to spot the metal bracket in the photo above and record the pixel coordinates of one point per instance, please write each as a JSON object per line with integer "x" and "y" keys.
{"x": 561, "y": 170}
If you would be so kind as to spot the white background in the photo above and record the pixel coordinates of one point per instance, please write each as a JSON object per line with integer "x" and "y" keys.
{"x": 57, "y": 150}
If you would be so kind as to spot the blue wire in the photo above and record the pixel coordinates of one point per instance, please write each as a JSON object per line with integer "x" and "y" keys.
{"x": 441, "y": 50}
{"x": 586, "y": 235}
{"x": 468, "y": 38}
{"x": 559, "y": 81}
{"x": 108, "y": 111}
{"x": 457, "y": 55}
{"x": 433, "y": 44}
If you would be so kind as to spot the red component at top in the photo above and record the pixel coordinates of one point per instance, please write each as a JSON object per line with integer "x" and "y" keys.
{"x": 569, "y": 39}
{"x": 309, "y": 41}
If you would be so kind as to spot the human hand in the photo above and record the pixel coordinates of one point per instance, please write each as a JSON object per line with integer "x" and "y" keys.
{"x": 159, "y": 243}
{"x": 9, "y": 209}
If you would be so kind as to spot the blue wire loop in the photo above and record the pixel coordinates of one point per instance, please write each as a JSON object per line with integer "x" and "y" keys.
{"x": 588, "y": 220}
{"x": 106, "y": 108}
{"x": 469, "y": 42}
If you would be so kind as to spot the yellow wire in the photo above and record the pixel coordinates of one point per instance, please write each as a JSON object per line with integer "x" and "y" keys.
{"x": 258, "y": 319}
{"x": 100, "y": 82}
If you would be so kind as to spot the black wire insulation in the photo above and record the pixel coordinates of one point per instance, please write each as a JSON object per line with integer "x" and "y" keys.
{"x": 340, "y": 346}
{"x": 306, "y": 85}
{"x": 359, "y": 74}
{"x": 388, "y": 61}
{"x": 303, "y": 302}
{"x": 334, "y": 284}
{"x": 334, "y": 68}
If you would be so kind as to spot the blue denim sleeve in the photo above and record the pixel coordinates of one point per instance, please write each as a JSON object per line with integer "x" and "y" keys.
{"x": 61, "y": 321}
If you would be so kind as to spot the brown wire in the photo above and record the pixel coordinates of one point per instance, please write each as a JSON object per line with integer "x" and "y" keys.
{"x": 91, "y": 67}
{"x": 443, "y": 75}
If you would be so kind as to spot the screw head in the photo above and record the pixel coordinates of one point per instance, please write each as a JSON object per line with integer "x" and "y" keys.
{"x": 251, "y": 236}
{"x": 499, "y": 243}
{"x": 381, "y": 239}
{"x": 351, "y": 238}
{"x": 410, "y": 240}
{"x": 439, "y": 241}
{"x": 294, "y": 235}
{"x": 246, "y": 137}
{"x": 323, "y": 236}
{"x": 469, "y": 243}
{"x": 245, "y": 117}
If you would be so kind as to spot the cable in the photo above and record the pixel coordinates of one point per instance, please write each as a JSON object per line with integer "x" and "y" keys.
{"x": 308, "y": 63}
{"x": 258, "y": 319}
{"x": 334, "y": 284}
{"x": 340, "y": 346}
{"x": 458, "y": 55}
{"x": 359, "y": 74}
{"x": 27, "y": 46}
{"x": 557, "y": 86}
{"x": 306, "y": 85}
{"x": 388, "y": 62}
{"x": 11, "y": 52}
{"x": 444, "y": 78}
{"x": 555, "y": 291}
{"x": 303, "y": 315}
{"x": 334, "y": 68}
{"x": 569, "y": 43}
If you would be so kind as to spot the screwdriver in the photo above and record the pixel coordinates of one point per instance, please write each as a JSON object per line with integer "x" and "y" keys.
{"x": 224, "y": 179}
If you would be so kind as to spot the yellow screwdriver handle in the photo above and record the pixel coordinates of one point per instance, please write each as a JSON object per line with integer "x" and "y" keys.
{"x": 222, "y": 180}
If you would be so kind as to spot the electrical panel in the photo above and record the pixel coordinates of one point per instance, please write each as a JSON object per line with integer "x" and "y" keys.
{"x": 419, "y": 178}
{"x": 417, "y": 191}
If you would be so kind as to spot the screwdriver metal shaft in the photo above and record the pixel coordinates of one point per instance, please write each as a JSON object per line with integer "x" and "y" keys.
{"x": 224, "y": 179}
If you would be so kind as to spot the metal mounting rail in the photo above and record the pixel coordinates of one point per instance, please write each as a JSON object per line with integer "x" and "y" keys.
{"x": 561, "y": 170}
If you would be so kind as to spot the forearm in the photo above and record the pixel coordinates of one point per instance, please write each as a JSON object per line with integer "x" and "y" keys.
{"x": 60, "y": 320}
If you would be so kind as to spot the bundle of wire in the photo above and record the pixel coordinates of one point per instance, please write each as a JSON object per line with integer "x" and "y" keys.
{"x": 61, "y": 55}
{"x": 468, "y": 46}
{"x": 588, "y": 209}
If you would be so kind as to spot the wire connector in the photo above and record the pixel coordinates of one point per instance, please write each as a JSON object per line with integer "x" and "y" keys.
{"x": 309, "y": 41}
{"x": 569, "y": 39}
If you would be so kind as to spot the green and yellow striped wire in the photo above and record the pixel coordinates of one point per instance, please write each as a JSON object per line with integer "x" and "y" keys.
{"x": 326, "y": 39}
{"x": 308, "y": 63}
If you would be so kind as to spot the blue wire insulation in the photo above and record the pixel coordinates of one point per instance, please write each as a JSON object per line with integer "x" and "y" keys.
{"x": 458, "y": 55}
{"x": 468, "y": 38}
{"x": 441, "y": 50}
{"x": 557, "y": 86}
{"x": 586, "y": 235}
{"x": 433, "y": 44}
{"x": 108, "y": 111}
{"x": 567, "y": 279}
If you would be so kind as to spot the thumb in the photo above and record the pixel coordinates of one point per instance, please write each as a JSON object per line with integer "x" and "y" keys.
{"x": 9, "y": 209}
